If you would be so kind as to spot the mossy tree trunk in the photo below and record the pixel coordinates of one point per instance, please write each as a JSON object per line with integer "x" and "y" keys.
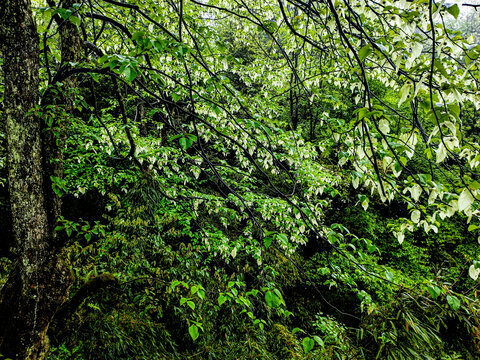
{"x": 53, "y": 144}
{"x": 39, "y": 283}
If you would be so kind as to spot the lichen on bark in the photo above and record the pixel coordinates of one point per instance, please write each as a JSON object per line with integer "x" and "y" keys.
{"x": 39, "y": 283}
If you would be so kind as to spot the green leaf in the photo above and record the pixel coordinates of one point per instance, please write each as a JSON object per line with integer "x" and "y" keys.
{"x": 267, "y": 242}
{"x": 64, "y": 13}
{"x": 272, "y": 300}
{"x": 183, "y": 143}
{"x": 362, "y": 112}
{"x": 138, "y": 35}
{"x": 221, "y": 45}
{"x": 75, "y": 20}
{"x": 271, "y": 27}
{"x": 388, "y": 275}
{"x": 182, "y": 50}
{"x": 454, "y": 302}
{"x": 191, "y": 304}
{"x": 319, "y": 340}
{"x": 308, "y": 344}
{"x": 130, "y": 73}
{"x": 472, "y": 227}
{"x": 112, "y": 64}
{"x": 439, "y": 65}
{"x": 221, "y": 299}
{"x": 170, "y": 139}
{"x": 95, "y": 77}
{"x": 279, "y": 295}
{"x": 193, "y": 331}
{"x": 474, "y": 185}
{"x": 103, "y": 59}
{"x": 283, "y": 238}
{"x": 364, "y": 52}
{"x": 453, "y": 10}
{"x": 434, "y": 291}
{"x": 186, "y": 142}
{"x": 217, "y": 110}
{"x": 471, "y": 56}
{"x": 294, "y": 331}
{"x": 175, "y": 96}
{"x": 455, "y": 110}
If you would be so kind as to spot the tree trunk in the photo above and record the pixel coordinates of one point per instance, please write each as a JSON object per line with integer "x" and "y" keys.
{"x": 39, "y": 283}
{"x": 53, "y": 145}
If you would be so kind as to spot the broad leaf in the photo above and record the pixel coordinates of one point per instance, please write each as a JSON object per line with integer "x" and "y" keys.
{"x": 364, "y": 52}
{"x": 193, "y": 331}
{"x": 454, "y": 302}
{"x": 272, "y": 300}
{"x": 434, "y": 291}
{"x": 308, "y": 344}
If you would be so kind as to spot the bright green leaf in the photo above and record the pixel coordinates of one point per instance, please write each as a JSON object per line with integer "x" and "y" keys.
{"x": 319, "y": 340}
{"x": 272, "y": 300}
{"x": 308, "y": 344}
{"x": 130, "y": 73}
{"x": 454, "y": 302}
{"x": 267, "y": 242}
{"x": 193, "y": 331}
{"x": 364, "y": 52}
{"x": 453, "y": 9}
{"x": 434, "y": 291}
{"x": 221, "y": 299}
{"x": 282, "y": 238}
{"x": 75, "y": 20}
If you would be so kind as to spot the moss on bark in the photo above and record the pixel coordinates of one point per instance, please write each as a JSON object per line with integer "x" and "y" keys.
{"x": 39, "y": 283}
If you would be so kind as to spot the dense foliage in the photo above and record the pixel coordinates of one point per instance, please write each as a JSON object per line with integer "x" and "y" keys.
{"x": 263, "y": 180}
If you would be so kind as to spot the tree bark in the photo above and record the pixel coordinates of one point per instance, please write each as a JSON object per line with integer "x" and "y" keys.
{"x": 53, "y": 145}
{"x": 39, "y": 283}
